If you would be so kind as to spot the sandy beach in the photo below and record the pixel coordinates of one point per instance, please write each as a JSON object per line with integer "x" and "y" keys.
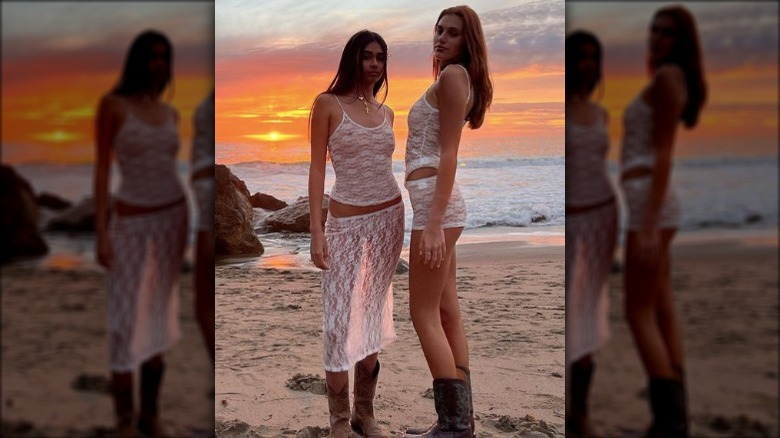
{"x": 269, "y": 337}
{"x": 726, "y": 288}
{"x": 55, "y": 355}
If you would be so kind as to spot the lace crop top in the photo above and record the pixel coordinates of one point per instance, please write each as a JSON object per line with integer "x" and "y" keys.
{"x": 146, "y": 155}
{"x": 638, "y": 148}
{"x": 363, "y": 162}
{"x": 587, "y": 182}
{"x": 423, "y": 147}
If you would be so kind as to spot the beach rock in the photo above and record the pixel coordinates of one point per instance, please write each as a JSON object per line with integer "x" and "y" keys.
{"x": 52, "y": 201}
{"x": 295, "y": 217}
{"x": 92, "y": 383}
{"x": 313, "y": 432}
{"x": 80, "y": 217}
{"x": 538, "y": 218}
{"x": 402, "y": 267}
{"x": 233, "y": 232}
{"x": 19, "y": 214}
{"x": 307, "y": 382}
{"x": 266, "y": 202}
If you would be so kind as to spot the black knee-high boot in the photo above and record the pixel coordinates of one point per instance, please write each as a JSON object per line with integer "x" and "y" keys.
{"x": 151, "y": 378}
{"x": 577, "y": 421}
{"x": 668, "y": 402}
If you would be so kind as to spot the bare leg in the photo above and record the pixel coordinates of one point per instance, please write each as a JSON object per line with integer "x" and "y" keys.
{"x": 369, "y": 362}
{"x": 451, "y": 319}
{"x": 426, "y": 288}
{"x": 337, "y": 380}
{"x": 642, "y": 293}
{"x": 666, "y": 314}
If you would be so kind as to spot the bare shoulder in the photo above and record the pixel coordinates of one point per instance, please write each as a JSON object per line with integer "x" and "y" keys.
{"x": 111, "y": 104}
{"x": 390, "y": 113}
{"x": 669, "y": 77}
{"x": 325, "y": 102}
{"x": 453, "y": 77}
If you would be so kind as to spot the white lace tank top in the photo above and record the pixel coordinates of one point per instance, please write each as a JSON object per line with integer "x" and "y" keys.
{"x": 638, "y": 148}
{"x": 363, "y": 162}
{"x": 587, "y": 182}
{"x": 423, "y": 147}
{"x": 146, "y": 155}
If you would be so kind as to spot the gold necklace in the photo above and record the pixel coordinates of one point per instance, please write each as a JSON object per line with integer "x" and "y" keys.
{"x": 365, "y": 102}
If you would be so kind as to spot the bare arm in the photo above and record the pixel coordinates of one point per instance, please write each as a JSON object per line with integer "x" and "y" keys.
{"x": 668, "y": 94}
{"x": 451, "y": 93}
{"x": 109, "y": 118}
{"x": 319, "y": 147}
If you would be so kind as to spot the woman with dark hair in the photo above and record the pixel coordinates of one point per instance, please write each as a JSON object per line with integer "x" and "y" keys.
{"x": 591, "y": 225}
{"x": 141, "y": 234}
{"x": 461, "y": 93}
{"x": 358, "y": 249}
{"x": 676, "y": 93}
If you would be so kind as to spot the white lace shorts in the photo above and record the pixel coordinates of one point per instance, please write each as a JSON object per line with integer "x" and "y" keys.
{"x": 421, "y": 196}
{"x": 636, "y": 192}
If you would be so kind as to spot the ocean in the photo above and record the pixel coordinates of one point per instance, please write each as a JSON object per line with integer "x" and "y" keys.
{"x": 510, "y": 198}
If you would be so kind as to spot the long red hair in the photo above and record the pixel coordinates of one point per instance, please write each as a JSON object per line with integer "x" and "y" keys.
{"x": 687, "y": 55}
{"x": 475, "y": 61}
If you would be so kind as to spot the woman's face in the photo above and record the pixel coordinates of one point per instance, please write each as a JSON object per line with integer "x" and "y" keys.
{"x": 373, "y": 60}
{"x": 588, "y": 64}
{"x": 159, "y": 64}
{"x": 663, "y": 37}
{"x": 449, "y": 42}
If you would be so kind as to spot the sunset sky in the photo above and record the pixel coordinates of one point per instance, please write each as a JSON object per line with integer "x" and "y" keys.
{"x": 272, "y": 59}
{"x": 58, "y": 58}
{"x": 740, "y": 51}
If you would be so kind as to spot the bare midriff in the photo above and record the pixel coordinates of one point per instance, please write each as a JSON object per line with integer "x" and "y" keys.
{"x": 637, "y": 172}
{"x": 124, "y": 209}
{"x": 337, "y": 209}
{"x": 423, "y": 172}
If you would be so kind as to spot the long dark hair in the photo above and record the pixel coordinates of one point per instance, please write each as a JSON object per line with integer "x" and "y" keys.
{"x": 135, "y": 75}
{"x": 687, "y": 55}
{"x": 350, "y": 73}
{"x": 475, "y": 60}
{"x": 574, "y": 43}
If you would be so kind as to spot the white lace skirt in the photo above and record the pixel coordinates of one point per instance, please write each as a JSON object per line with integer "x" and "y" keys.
{"x": 357, "y": 294}
{"x": 143, "y": 298}
{"x": 591, "y": 237}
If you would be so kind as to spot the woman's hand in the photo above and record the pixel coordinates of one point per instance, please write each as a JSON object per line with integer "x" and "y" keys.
{"x": 105, "y": 252}
{"x": 319, "y": 251}
{"x": 432, "y": 247}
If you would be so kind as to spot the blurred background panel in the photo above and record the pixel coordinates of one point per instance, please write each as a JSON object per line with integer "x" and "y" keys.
{"x": 58, "y": 59}
{"x": 724, "y": 257}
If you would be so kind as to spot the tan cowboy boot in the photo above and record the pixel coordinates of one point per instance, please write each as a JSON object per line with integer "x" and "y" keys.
{"x": 338, "y": 405}
{"x": 363, "y": 421}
